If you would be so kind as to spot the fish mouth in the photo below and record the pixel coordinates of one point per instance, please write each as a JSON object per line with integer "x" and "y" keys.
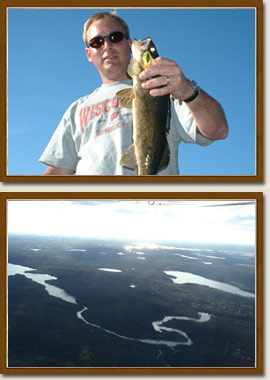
{"x": 139, "y": 47}
{"x": 142, "y": 45}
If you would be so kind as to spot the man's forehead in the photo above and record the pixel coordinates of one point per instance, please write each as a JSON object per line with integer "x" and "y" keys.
{"x": 102, "y": 27}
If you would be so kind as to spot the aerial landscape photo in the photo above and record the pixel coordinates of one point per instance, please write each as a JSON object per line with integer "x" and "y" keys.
{"x": 131, "y": 283}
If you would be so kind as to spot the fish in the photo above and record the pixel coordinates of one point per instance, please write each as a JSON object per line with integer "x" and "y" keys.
{"x": 150, "y": 151}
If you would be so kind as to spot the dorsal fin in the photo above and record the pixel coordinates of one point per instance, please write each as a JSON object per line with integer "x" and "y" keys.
{"x": 126, "y": 95}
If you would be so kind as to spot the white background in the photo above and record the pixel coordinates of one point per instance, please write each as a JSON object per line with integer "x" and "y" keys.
{"x": 181, "y": 187}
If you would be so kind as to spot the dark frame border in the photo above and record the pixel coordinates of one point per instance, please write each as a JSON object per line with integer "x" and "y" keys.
{"x": 258, "y": 196}
{"x": 258, "y": 4}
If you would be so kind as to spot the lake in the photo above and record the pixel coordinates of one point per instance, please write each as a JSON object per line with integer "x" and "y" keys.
{"x": 40, "y": 279}
{"x": 190, "y": 278}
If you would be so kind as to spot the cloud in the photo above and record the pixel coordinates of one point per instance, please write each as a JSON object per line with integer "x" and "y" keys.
{"x": 242, "y": 219}
{"x": 185, "y": 220}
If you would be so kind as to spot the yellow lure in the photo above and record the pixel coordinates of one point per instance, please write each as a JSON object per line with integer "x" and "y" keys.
{"x": 147, "y": 59}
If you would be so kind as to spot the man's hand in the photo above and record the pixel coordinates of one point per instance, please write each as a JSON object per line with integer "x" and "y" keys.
{"x": 51, "y": 170}
{"x": 170, "y": 76}
{"x": 206, "y": 111}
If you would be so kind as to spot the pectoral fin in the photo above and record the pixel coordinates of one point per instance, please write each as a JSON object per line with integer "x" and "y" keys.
{"x": 126, "y": 96}
{"x": 134, "y": 68}
{"x": 128, "y": 158}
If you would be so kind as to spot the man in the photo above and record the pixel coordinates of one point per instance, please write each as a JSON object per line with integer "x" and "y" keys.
{"x": 94, "y": 132}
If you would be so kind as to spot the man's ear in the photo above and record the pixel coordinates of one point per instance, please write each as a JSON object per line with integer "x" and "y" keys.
{"x": 88, "y": 54}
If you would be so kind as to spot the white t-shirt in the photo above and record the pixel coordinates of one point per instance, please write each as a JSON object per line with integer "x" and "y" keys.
{"x": 94, "y": 133}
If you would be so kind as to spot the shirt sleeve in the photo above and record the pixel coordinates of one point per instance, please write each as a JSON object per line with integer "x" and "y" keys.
{"x": 61, "y": 150}
{"x": 186, "y": 125}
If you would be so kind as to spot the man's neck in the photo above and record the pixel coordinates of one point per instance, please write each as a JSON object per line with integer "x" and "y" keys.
{"x": 113, "y": 79}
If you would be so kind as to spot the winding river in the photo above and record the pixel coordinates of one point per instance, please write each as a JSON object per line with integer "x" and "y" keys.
{"x": 158, "y": 326}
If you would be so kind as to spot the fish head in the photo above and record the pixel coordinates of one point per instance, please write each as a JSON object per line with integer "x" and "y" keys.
{"x": 144, "y": 51}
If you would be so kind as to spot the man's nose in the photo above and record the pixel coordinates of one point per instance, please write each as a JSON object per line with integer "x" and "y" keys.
{"x": 107, "y": 43}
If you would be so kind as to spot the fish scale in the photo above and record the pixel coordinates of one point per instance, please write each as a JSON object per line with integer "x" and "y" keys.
{"x": 150, "y": 150}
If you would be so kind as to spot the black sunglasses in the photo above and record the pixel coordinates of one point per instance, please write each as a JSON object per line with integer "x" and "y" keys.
{"x": 114, "y": 37}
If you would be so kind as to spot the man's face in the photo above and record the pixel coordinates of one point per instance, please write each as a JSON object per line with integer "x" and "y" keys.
{"x": 111, "y": 59}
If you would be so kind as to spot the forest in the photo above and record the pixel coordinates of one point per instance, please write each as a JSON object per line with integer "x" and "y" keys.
{"x": 44, "y": 331}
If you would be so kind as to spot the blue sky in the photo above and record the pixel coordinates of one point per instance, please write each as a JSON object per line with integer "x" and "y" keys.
{"x": 212, "y": 221}
{"x": 48, "y": 70}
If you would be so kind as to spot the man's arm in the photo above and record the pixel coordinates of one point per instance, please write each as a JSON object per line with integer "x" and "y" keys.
{"x": 207, "y": 112}
{"x": 51, "y": 170}
{"x": 209, "y": 117}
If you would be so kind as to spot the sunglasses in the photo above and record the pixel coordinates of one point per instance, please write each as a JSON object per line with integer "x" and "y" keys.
{"x": 114, "y": 37}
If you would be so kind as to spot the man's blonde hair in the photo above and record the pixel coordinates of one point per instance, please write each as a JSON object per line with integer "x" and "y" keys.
{"x": 103, "y": 16}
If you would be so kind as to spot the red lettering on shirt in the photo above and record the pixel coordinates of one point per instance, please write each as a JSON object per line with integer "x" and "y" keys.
{"x": 83, "y": 117}
{"x": 107, "y": 105}
{"x": 89, "y": 113}
{"x": 92, "y": 112}
{"x": 98, "y": 109}
{"x": 113, "y": 128}
{"x": 114, "y": 115}
{"x": 115, "y": 102}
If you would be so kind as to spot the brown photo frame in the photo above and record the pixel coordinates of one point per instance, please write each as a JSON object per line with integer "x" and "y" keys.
{"x": 257, "y": 178}
{"x": 160, "y": 199}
